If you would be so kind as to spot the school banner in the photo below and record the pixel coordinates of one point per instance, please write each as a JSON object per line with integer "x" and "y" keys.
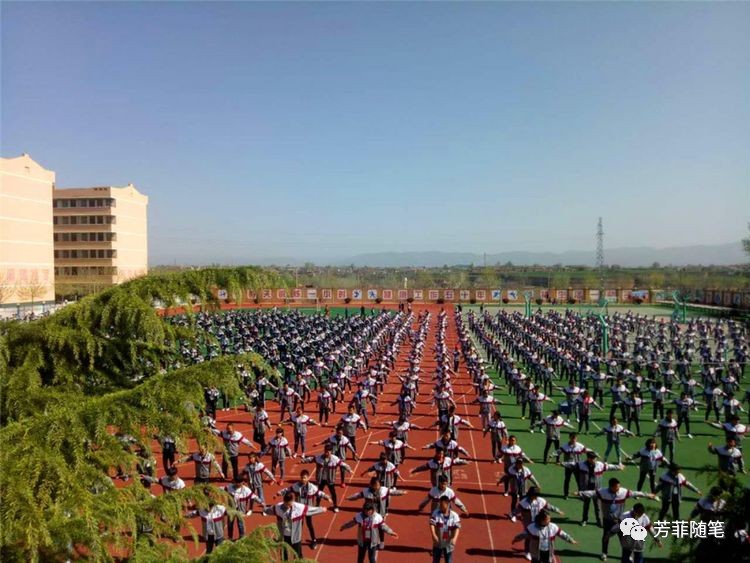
{"x": 326, "y": 294}
{"x": 357, "y": 294}
{"x": 372, "y": 294}
{"x": 561, "y": 295}
{"x": 281, "y": 294}
{"x": 340, "y": 294}
{"x": 578, "y": 295}
{"x": 250, "y": 295}
{"x": 312, "y": 293}
{"x": 464, "y": 295}
{"x": 297, "y": 293}
{"x": 433, "y": 294}
{"x": 497, "y": 294}
{"x": 403, "y": 294}
{"x": 267, "y": 294}
{"x": 544, "y": 294}
{"x": 593, "y": 295}
{"x": 512, "y": 295}
{"x": 610, "y": 295}
{"x": 387, "y": 295}
{"x": 480, "y": 294}
{"x": 448, "y": 295}
{"x": 222, "y": 294}
{"x": 417, "y": 294}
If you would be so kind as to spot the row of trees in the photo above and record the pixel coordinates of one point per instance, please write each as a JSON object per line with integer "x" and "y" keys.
{"x": 656, "y": 277}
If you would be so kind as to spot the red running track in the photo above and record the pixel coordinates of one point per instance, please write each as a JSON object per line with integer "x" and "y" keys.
{"x": 485, "y": 535}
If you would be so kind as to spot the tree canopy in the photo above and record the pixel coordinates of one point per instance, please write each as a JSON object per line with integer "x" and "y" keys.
{"x": 73, "y": 385}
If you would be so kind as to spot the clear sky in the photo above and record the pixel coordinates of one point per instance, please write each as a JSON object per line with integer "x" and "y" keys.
{"x": 330, "y": 129}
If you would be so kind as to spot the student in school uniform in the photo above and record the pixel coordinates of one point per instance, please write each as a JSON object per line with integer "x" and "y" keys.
{"x": 613, "y": 431}
{"x": 242, "y": 497}
{"x": 649, "y": 458}
{"x": 632, "y": 549}
{"x": 612, "y": 505}
{"x": 261, "y": 423}
{"x": 571, "y": 451}
{"x": 326, "y": 467}
{"x": 300, "y": 421}
{"x": 232, "y": 440}
{"x": 528, "y": 508}
{"x": 289, "y": 518}
{"x": 255, "y": 470}
{"x": 445, "y": 526}
{"x": 439, "y": 465}
{"x": 370, "y": 529}
{"x": 378, "y": 495}
{"x": 442, "y": 490}
{"x": 542, "y": 534}
{"x": 279, "y": 449}
{"x": 498, "y": 432}
{"x": 670, "y": 433}
{"x": 385, "y": 471}
{"x": 212, "y": 520}
{"x": 552, "y": 425}
{"x": 516, "y": 479}
{"x": 350, "y": 422}
{"x": 671, "y": 484}
{"x": 204, "y": 461}
{"x": 306, "y": 493}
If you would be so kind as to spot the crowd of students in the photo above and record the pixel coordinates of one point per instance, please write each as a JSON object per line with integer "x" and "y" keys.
{"x": 562, "y": 353}
{"x": 338, "y": 367}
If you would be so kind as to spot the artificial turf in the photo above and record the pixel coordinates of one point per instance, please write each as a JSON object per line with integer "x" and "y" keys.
{"x": 691, "y": 454}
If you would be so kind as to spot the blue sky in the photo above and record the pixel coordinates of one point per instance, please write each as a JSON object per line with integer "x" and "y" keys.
{"x": 329, "y": 129}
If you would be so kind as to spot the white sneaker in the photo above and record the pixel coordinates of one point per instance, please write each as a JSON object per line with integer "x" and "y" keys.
{"x": 531, "y": 430}
{"x": 604, "y": 557}
{"x": 528, "y": 556}
{"x": 336, "y": 509}
{"x": 512, "y": 518}
{"x": 505, "y": 494}
{"x": 690, "y": 436}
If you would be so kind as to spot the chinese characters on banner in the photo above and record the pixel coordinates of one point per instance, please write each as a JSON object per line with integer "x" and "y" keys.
{"x": 297, "y": 293}
{"x": 448, "y": 294}
{"x": 372, "y": 294}
{"x": 497, "y": 294}
{"x": 418, "y": 295}
{"x": 403, "y": 294}
{"x": 512, "y": 294}
{"x": 433, "y": 294}
{"x": 464, "y": 295}
{"x": 561, "y": 295}
{"x": 480, "y": 294}
{"x": 341, "y": 294}
{"x": 281, "y": 293}
{"x": 267, "y": 294}
{"x": 326, "y": 294}
{"x": 387, "y": 294}
{"x": 357, "y": 294}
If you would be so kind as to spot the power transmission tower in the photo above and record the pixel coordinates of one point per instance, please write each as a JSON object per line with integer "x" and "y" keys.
{"x": 600, "y": 259}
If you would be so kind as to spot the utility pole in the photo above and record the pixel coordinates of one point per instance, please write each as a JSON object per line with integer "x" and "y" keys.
{"x": 600, "y": 259}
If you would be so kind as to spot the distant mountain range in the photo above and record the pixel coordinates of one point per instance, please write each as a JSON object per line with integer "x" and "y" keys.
{"x": 708, "y": 255}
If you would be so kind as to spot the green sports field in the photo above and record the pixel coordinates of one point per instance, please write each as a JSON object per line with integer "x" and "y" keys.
{"x": 692, "y": 455}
